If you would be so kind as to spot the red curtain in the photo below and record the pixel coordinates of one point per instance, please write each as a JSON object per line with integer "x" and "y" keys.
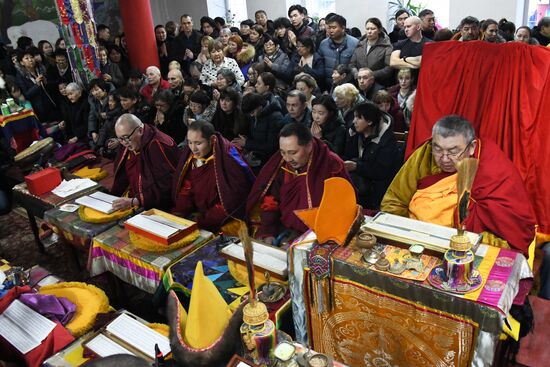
{"x": 504, "y": 90}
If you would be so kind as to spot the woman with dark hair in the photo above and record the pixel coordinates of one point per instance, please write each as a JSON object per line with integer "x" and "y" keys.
{"x": 46, "y": 50}
{"x": 400, "y": 16}
{"x": 169, "y": 115}
{"x": 489, "y": 31}
{"x": 118, "y": 57}
{"x": 371, "y": 157}
{"x": 161, "y": 37}
{"x": 131, "y": 102}
{"x": 341, "y": 75}
{"x": 208, "y": 27}
{"x": 326, "y": 125}
{"x": 374, "y": 52}
{"x": 276, "y": 61}
{"x": 110, "y": 72}
{"x": 281, "y": 26}
{"x": 306, "y": 60}
{"x": 506, "y": 29}
{"x": 523, "y": 34}
{"x": 256, "y": 39}
{"x": 228, "y": 119}
{"x": 200, "y": 107}
{"x": 60, "y": 44}
{"x": 254, "y": 72}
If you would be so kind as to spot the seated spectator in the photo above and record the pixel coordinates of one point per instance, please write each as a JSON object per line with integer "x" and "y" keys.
{"x": 99, "y": 105}
{"x": 326, "y": 124}
{"x": 388, "y": 104}
{"x": 169, "y": 116}
{"x": 542, "y": 31}
{"x": 374, "y": 52}
{"x": 406, "y": 87}
{"x": 131, "y": 102}
{"x": 443, "y": 34}
{"x": 276, "y": 61}
{"x": 226, "y": 78}
{"x": 292, "y": 179}
{"x": 228, "y": 119}
{"x": 206, "y": 45}
{"x": 347, "y": 96}
{"x": 32, "y": 81}
{"x": 265, "y": 86}
{"x": 144, "y": 166}
{"x": 368, "y": 86}
{"x": 306, "y": 60}
{"x": 217, "y": 61}
{"x": 195, "y": 71}
{"x": 506, "y": 29}
{"x": 523, "y": 34}
{"x": 242, "y": 52}
{"x": 266, "y": 121}
{"x": 174, "y": 65}
{"x": 110, "y": 72}
{"x": 189, "y": 86}
{"x": 106, "y": 141}
{"x": 261, "y": 19}
{"x": 306, "y": 84}
{"x": 225, "y": 33}
{"x": 75, "y": 122}
{"x": 136, "y": 80}
{"x": 175, "y": 79}
{"x": 155, "y": 83}
{"x": 254, "y": 72}
{"x": 245, "y": 28}
{"x": 372, "y": 158}
{"x": 212, "y": 179}
{"x": 298, "y": 111}
{"x": 489, "y": 31}
{"x": 200, "y": 107}
{"x": 341, "y": 74}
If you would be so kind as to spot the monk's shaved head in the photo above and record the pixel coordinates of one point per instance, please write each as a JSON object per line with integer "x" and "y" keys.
{"x": 128, "y": 120}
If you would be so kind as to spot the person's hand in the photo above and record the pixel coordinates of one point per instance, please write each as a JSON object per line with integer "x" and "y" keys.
{"x": 159, "y": 118}
{"x": 103, "y": 115}
{"x": 291, "y": 38}
{"x": 269, "y": 240}
{"x": 40, "y": 79}
{"x": 350, "y": 166}
{"x": 107, "y": 77}
{"x": 216, "y": 94}
{"x": 240, "y": 141}
{"x": 188, "y": 54}
{"x": 268, "y": 62}
{"x": 123, "y": 203}
{"x": 112, "y": 143}
{"x": 95, "y": 136}
{"x": 73, "y": 140}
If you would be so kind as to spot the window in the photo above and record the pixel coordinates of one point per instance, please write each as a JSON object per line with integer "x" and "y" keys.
{"x": 320, "y": 8}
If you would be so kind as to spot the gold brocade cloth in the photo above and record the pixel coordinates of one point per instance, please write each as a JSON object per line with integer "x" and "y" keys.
{"x": 367, "y": 327}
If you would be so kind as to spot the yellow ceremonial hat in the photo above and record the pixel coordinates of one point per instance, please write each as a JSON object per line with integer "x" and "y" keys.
{"x": 337, "y": 213}
{"x": 208, "y": 314}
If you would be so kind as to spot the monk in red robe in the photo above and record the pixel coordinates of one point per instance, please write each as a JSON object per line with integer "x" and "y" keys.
{"x": 213, "y": 179}
{"x": 144, "y": 166}
{"x": 426, "y": 187}
{"x": 292, "y": 179}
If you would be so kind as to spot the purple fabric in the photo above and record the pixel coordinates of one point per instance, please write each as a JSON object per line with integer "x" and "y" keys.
{"x": 54, "y": 308}
{"x": 67, "y": 150}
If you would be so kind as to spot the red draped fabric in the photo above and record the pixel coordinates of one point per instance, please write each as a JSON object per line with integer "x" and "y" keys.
{"x": 504, "y": 90}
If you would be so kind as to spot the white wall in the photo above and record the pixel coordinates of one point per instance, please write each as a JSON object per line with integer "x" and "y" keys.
{"x": 357, "y": 12}
{"x": 484, "y": 9}
{"x": 166, "y": 10}
{"x": 273, "y": 8}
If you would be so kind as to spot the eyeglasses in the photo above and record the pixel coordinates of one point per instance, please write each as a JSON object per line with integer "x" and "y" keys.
{"x": 126, "y": 139}
{"x": 440, "y": 153}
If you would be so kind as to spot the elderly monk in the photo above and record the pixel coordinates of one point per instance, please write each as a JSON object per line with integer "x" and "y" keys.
{"x": 144, "y": 166}
{"x": 213, "y": 179}
{"x": 426, "y": 187}
{"x": 292, "y": 179}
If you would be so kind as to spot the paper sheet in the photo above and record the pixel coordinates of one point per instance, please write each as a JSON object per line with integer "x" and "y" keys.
{"x": 23, "y": 327}
{"x": 141, "y": 221}
{"x": 138, "y": 335}
{"x": 95, "y": 204}
{"x": 104, "y": 347}
{"x": 68, "y": 188}
{"x": 264, "y": 256}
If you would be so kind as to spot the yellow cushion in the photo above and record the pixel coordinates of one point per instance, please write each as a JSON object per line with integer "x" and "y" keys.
{"x": 88, "y": 299}
{"x": 95, "y": 174}
{"x": 93, "y": 216}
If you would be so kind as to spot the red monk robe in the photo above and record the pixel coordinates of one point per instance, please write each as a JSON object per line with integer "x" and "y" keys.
{"x": 499, "y": 204}
{"x": 215, "y": 187}
{"x": 147, "y": 174}
{"x": 279, "y": 191}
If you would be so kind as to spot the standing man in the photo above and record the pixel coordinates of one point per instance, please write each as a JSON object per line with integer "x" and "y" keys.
{"x": 469, "y": 30}
{"x": 187, "y": 44}
{"x": 407, "y": 53}
{"x": 298, "y": 19}
{"x": 337, "y": 48}
{"x": 428, "y": 23}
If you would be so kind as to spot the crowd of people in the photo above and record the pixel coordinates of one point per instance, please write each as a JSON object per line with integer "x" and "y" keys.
{"x": 289, "y": 100}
